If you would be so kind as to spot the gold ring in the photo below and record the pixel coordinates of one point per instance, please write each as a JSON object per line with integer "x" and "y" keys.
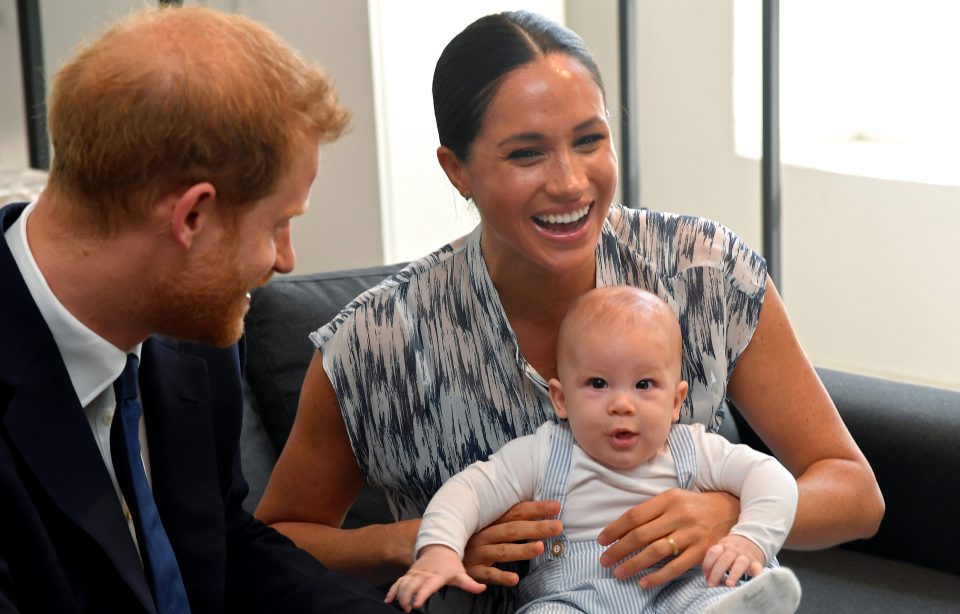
{"x": 676, "y": 550}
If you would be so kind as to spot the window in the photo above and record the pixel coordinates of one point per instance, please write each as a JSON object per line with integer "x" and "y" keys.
{"x": 866, "y": 87}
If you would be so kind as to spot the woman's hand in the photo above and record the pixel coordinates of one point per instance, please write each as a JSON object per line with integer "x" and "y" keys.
{"x": 732, "y": 556}
{"x": 515, "y": 536}
{"x": 676, "y": 523}
{"x": 436, "y": 566}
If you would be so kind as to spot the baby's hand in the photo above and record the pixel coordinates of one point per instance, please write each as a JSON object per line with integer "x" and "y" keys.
{"x": 435, "y": 566}
{"x": 733, "y": 555}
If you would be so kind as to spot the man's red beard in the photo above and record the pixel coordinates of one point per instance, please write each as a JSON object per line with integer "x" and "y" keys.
{"x": 206, "y": 304}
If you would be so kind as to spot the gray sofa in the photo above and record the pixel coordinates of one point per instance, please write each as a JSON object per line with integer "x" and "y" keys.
{"x": 910, "y": 434}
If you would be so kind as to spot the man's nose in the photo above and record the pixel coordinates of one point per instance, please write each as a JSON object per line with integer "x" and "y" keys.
{"x": 286, "y": 259}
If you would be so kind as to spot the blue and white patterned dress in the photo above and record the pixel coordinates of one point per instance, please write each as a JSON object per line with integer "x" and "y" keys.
{"x": 430, "y": 377}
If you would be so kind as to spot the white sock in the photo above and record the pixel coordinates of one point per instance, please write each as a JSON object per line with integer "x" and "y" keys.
{"x": 775, "y": 591}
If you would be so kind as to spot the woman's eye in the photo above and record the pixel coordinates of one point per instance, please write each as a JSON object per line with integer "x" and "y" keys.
{"x": 598, "y": 382}
{"x": 644, "y": 384}
{"x": 589, "y": 140}
{"x": 523, "y": 154}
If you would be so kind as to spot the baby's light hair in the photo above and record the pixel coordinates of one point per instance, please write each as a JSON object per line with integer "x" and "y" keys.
{"x": 616, "y": 307}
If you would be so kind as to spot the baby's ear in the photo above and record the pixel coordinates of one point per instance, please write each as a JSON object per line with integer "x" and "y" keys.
{"x": 558, "y": 398}
{"x": 679, "y": 396}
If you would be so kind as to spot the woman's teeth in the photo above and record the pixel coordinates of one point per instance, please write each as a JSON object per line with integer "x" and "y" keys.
{"x": 565, "y": 218}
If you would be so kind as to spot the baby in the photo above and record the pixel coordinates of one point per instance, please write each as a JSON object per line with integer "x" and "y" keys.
{"x": 617, "y": 444}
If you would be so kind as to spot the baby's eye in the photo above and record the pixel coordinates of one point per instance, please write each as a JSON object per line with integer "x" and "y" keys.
{"x": 644, "y": 384}
{"x": 598, "y": 382}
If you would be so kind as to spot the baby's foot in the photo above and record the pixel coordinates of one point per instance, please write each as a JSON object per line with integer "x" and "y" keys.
{"x": 775, "y": 591}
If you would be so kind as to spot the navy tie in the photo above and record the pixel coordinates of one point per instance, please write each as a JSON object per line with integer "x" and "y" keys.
{"x": 168, "y": 591}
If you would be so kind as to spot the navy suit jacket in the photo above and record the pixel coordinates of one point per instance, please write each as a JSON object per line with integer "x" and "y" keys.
{"x": 64, "y": 542}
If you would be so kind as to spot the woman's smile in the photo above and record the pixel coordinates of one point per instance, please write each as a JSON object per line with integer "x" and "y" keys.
{"x": 565, "y": 223}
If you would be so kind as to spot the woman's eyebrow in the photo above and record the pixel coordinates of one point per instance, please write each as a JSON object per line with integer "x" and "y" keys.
{"x": 537, "y": 136}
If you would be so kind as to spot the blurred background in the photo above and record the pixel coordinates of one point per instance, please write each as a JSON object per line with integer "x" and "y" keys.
{"x": 869, "y": 139}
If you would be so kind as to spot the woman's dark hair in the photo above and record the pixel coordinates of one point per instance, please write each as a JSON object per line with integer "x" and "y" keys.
{"x": 476, "y": 61}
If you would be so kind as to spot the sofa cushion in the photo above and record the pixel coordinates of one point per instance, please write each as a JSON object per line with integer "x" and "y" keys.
{"x": 282, "y": 314}
{"x": 840, "y": 581}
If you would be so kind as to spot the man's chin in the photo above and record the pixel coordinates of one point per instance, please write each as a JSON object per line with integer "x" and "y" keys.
{"x": 221, "y": 335}
{"x": 225, "y": 337}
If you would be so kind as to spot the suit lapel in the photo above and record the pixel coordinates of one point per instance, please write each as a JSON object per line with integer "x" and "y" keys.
{"x": 177, "y": 406}
{"x": 47, "y": 426}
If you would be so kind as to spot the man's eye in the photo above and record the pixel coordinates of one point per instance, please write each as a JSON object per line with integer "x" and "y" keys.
{"x": 598, "y": 382}
{"x": 644, "y": 384}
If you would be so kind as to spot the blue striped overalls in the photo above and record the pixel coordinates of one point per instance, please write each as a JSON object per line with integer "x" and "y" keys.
{"x": 568, "y": 576}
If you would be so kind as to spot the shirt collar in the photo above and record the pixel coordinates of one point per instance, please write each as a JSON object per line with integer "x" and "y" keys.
{"x": 92, "y": 362}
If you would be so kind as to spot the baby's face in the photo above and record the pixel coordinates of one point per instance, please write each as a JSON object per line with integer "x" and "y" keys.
{"x": 620, "y": 390}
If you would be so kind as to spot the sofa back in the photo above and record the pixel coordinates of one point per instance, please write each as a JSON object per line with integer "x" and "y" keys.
{"x": 282, "y": 314}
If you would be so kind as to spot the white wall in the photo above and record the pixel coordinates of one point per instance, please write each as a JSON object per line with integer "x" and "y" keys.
{"x": 869, "y": 266}
{"x": 597, "y": 23}
{"x": 13, "y": 136}
{"x": 421, "y": 210}
{"x": 341, "y": 227}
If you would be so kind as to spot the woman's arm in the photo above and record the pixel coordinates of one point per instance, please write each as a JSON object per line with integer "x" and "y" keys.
{"x": 316, "y": 480}
{"x": 780, "y": 395}
{"x": 314, "y": 483}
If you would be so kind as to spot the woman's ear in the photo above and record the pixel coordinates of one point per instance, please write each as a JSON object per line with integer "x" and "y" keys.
{"x": 190, "y": 212}
{"x": 455, "y": 170}
{"x": 558, "y": 399}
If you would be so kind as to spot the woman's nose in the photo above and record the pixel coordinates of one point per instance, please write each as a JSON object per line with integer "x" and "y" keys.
{"x": 568, "y": 177}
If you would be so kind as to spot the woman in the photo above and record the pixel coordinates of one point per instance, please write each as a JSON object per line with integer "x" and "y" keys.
{"x": 446, "y": 361}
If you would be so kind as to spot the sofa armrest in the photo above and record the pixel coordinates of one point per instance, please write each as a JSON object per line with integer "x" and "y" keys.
{"x": 911, "y": 436}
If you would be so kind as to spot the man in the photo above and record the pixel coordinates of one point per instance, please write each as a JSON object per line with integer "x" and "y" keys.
{"x": 184, "y": 142}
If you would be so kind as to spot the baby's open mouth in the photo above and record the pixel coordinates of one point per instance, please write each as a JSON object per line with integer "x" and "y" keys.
{"x": 623, "y": 437}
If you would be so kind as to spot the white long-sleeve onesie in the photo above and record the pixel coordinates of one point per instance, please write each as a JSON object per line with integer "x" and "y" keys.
{"x": 596, "y": 495}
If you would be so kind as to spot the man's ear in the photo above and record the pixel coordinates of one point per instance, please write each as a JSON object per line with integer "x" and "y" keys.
{"x": 679, "y": 396}
{"x": 455, "y": 170}
{"x": 191, "y": 212}
{"x": 558, "y": 399}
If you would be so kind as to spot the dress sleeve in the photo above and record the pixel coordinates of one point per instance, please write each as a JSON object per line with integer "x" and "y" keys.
{"x": 767, "y": 491}
{"x": 480, "y": 494}
{"x": 746, "y": 273}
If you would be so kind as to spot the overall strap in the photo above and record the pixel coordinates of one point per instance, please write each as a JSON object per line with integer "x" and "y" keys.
{"x": 555, "y": 484}
{"x": 684, "y": 453}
